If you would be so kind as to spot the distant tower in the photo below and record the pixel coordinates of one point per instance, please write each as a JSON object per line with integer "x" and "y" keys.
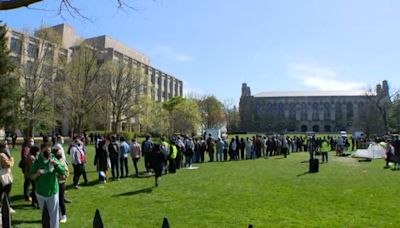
{"x": 245, "y": 90}
{"x": 385, "y": 88}
{"x": 378, "y": 89}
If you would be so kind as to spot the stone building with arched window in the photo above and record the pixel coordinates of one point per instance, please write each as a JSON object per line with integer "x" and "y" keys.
{"x": 301, "y": 111}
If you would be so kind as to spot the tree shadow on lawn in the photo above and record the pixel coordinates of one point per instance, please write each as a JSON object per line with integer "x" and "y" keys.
{"x": 147, "y": 190}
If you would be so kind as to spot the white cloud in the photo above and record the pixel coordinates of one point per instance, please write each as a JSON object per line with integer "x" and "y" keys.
{"x": 171, "y": 54}
{"x": 322, "y": 78}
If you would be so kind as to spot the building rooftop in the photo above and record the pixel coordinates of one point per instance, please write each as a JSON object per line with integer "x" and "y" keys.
{"x": 333, "y": 93}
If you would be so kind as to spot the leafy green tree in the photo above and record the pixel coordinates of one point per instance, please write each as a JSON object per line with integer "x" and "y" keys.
{"x": 84, "y": 88}
{"x": 125, "y": 86}
{"x": 394, "y": 114}
{"x": 10, "y": 89}
{"x": 212, "y": 112}
{"x": 38, "y": 75}
{"x": 154, "y": 119}
{"x": 184, "y": 115}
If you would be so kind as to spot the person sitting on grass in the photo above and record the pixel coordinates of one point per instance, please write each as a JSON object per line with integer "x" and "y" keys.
{"x": 44, "y": 172}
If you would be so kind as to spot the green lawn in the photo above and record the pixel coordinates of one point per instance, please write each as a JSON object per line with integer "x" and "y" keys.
{"x": 263, "y": 192}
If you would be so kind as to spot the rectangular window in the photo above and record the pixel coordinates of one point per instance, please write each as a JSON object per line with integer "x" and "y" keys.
{"x": 29, "y": 68}
{"x": 16, "y": 46}
{"x": 32, "y": 50}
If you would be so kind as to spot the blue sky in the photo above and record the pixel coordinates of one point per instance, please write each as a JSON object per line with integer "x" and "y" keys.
{"x": 216, "y": 45}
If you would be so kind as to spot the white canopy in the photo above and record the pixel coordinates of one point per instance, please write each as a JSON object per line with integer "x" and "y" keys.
{"x": 374, "y": 151}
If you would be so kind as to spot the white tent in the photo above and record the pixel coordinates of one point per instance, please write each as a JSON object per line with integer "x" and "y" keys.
{"x": 374, "y": 151}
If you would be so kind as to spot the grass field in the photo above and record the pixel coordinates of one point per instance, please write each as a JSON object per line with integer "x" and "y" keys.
{"x": 269, "y": 192}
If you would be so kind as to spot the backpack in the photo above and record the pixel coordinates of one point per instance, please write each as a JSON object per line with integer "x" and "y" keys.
{"x": 147, "y": 146}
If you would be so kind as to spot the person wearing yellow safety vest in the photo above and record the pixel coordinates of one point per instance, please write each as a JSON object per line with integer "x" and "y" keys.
{"x": 172, "y": 153}
{"x": 325, "y": 148}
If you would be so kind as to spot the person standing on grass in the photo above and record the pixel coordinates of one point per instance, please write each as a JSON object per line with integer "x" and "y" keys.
{"x": 6, "y": 164}
{"x": 242, "y": 146}
{"x": 78, "y": 162}
{"x": 325, "y": 148}
{"x": 189, "y": 150}
{"x": 44, "y": 172}
{"x": 220, "y": 149}
{"x": 147, "y": 148}
{"x": 210, "y": 147}
{"x": 173, "y": 152}
{"x": 226, "y": 148}
{"x": 113, "y": 152}
{"x": 34, "y": 150}
{"x": 232, "y": 148}
{"x": 26, "y": 145}
{"x": 61, "y": 183}
{"x": 196, "y": 154}
{"x": 124, "y": 150}
{"x": 101, "y": 159}
{"x": 285, "y": 146}
{"x": 202, "y": 149}
{"x": 157, "y": 160}
{"x": 136, "y": 153}
{"x": 248, "y": 148}
{"x": 14, "y": 139}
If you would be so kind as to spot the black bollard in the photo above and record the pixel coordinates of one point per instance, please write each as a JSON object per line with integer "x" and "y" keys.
{"x": 97, "y": 221}
{"x": 45, "y": 217}
{"x": 250, "y": 226}
{"x": 5, "y": 212}
{"x": 165, "y": 223}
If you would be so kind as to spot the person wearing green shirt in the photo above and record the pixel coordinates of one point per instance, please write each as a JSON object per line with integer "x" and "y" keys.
{"x": 325, "y": 148}
{"x": 44, "y": 173}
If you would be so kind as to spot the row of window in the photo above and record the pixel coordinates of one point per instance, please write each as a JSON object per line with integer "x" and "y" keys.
{"x": 278, "y": 110}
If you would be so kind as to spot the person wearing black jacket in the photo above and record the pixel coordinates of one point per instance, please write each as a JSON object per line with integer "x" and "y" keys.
{"x": 157, "y": 160}
{"x": 113, "y": 151}
{"x": 100, "y": 159}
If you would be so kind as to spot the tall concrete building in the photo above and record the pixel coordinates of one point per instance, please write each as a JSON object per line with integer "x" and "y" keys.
{"x": 301, "y": 111}
{"x": 25, "y": 48}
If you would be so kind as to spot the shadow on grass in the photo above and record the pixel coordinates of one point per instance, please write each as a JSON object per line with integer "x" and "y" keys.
{"x": 365, "y": 160}
{"x": 23, "y": 207}
{"x": 16, "y": 198}
{"x": 89, "y": 183}
{"x": 302, "y": 174}
{"x": 144, "y": 174}
{"x": 19, "y": 222}
{"x": 280, "y": 158}
{"x": 147, "y": 190}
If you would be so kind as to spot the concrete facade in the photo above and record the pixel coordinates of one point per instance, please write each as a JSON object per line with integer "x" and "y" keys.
{"x": 25, "y": 48}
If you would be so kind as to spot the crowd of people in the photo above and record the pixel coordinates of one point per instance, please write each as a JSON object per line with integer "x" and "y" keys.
{"x": 45, "y": 165}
